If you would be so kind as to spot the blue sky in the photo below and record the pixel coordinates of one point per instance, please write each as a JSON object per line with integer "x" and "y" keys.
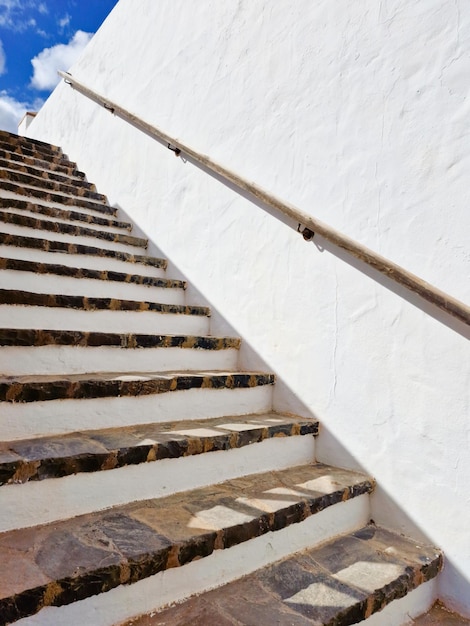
{"x": 37, "y": 37}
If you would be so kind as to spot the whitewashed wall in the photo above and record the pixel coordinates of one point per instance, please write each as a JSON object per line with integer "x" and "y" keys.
{"x": 357, "y": 112}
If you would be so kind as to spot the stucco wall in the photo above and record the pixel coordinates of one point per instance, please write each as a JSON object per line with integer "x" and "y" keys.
{"x": 356, "y": 112}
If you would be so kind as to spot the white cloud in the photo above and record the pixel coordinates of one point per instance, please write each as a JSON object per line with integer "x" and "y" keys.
{"x": 42, "y": 8}
{"x": 65, "y": 21}
{"x": 2, "y": 59}
{"x": 59, "y": 57}
{"x": 12, "y": 111}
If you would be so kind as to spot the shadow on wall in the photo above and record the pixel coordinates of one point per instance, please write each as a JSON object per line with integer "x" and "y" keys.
{"x": 381, "y": 501}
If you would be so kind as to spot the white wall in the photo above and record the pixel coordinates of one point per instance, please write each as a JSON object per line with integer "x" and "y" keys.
{"x": 356, "y": 112}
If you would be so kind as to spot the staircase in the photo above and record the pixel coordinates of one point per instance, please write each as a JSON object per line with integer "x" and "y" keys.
{"x": 138, "y": 465}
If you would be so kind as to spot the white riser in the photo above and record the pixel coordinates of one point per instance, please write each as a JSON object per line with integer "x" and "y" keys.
{"x": 90, "y": 287}
{"x": 61, "y": 220}
{"x": 37, "y": 419}
{"x": 103, "y": 321}
{"x": 80, "y": 260}
{"x": 61, "y": 498}
{"x": 18, "y": 361}
{"x": 23, "y": 231}
{"x": 222, "y": 566}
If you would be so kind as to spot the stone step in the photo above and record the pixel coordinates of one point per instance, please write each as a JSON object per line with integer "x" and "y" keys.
{"x": 27, "y": 352}
{"x": 41, "y": 173}
{"x": 162, "y": 291}
{"x": 27, "y": 309}
{"x": 63, "y": 166}
{"x": 342, "y": 582}
{"x": 67, "y": 215}
{"x": 148, "y": 461}
{"x": 74, "y": 230}
{"x": 75, "y": 559}
{"x": 28, "y": 142}
{"x": 33, "y": 152}
{"x": 80, "y": 189}
{"x": 16, "y": 189}
{"x": 38, "y": 269}
{"x": 24, "y": 243}
{"x": 35, "y": 406}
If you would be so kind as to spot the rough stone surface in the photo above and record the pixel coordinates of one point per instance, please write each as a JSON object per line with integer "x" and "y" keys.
{"x": 55, "y": 164}
{"x": 80, "y": 188}
{"x": 27, "y": 298}
{"x": 70, "y": 560}
{"x": 45, "y": 388}
{"x": 65, "y": 214}
{"x": 32, "y": 337}
{"x": 59, "y": 177}
{"x": 53, "y": 457}
{"x": 326, "y": 586}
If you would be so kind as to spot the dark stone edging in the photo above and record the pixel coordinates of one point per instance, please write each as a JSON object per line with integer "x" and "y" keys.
{"x": 130, "y": 543}
{"x": 56, "y": 165}
{"x": 65, "y": 214}
{"x": 42, "y": 174}
{"x": 101, "y": 450}
{"x": 71, "y": 229}
{"x": 22, "y": 337}
{"x": 28, "y": 298}
{"x": 16, "y": 389}
{"x": 80, "y": 189}
{"x": 47, "y": 245}
{"x": 78, "y": 273}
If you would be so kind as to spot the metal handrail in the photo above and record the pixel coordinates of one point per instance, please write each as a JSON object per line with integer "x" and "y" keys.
{"x": 311, "y": 225}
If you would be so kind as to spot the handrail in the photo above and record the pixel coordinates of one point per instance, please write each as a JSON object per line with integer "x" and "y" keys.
{"x": 428, "y": 292}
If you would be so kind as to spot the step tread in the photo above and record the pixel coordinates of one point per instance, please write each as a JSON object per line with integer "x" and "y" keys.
{"x": 65, "y": 214}
{"x": 22, "y": 140}
{"x": 55, "y": 197}
{"x": 62, "y": 455}
{"x": 55, "y": 165}
{"x": 67, "y": 561}
{"x": 38, "y": 172}
{"x": 339, "y": 583}
{"x": 78, "y": 272}
{"x": 66, "y": 247}
{"x": 36, "y": 388}
{"x": 22, "y": 337}
{"x": 28, "y": 298}
{"x": 80, "y": 189}
{"x": 27, "y": 221}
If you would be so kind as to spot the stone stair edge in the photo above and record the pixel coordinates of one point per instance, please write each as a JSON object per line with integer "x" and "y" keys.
{"x": 283, "y": 591}
{"x": 58, "y": 198}
{"x": 22, "y": 139}
{"x": 7, "y": 204}
{"x": 74, "y": 230}
{"x": 49, "y": 245}
{"x": 28, "y": 298}
{"x": 55, "y": 165}
{"x": 21, "y": 337}
{"x": 81, "y": 190}
{"x": 56, "y": 456}
{"x": 28, "y": 389}
{"x": 68, "y": 271}
{"x": 128, "y": 543}
{"x": 19, "y": 167}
